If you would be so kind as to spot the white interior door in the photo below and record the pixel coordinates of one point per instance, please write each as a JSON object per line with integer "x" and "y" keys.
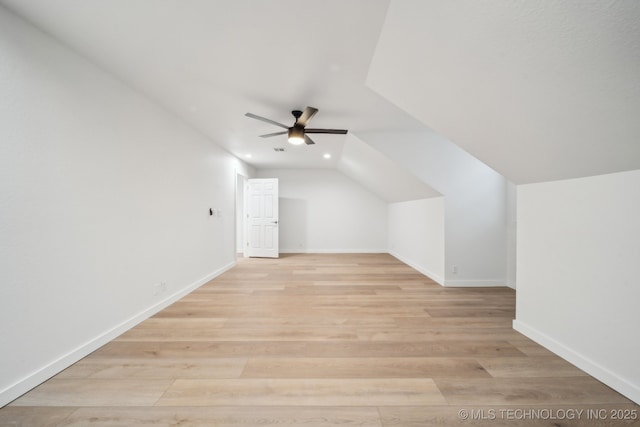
{"x": 262, "y": 218}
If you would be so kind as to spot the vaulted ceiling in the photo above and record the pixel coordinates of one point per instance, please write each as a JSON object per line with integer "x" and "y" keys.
{"x": 538, "y": 90}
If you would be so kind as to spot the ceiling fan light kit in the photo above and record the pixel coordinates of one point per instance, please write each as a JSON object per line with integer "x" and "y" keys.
{"x": 297, "y": 134}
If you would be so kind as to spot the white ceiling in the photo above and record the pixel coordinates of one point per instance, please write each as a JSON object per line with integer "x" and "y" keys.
{"x": 211, "y": 61}
{"x": 379, "y": 174}
{"x": 537, "y": 89}
{"x": 540, "y": 90}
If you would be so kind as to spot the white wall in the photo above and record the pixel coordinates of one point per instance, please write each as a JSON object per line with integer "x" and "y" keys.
{"x": 578, "y": 273}
{"x": 416, "y": 235}
{"x": 475, "y": 198}
{"x": 321, "y": 210}
{"x": 103, "y": 196}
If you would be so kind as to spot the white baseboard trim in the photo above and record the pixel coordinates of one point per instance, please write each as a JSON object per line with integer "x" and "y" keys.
{"x": 332, "y": 251}
{"x": 591, "y": 367}
{"x": 474, "y": 283}
{"x": 449, "y": 283}
{"x": 36, "y": 378}
{"x": 430, "y": 274}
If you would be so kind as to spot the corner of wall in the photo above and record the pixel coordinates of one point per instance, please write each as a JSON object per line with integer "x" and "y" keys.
{"x": 430, "y": 274}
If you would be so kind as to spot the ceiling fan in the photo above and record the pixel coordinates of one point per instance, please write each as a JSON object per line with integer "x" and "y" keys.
{"x": 297, "y": 134}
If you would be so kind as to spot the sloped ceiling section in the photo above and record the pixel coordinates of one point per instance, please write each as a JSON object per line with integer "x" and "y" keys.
{"x": 379, "y": 174}
{"x": 538, "y": 90}
{"x": 209, "y": 62}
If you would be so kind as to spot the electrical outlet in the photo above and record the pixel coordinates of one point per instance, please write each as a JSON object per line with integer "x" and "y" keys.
{"x": 454, "y": 269}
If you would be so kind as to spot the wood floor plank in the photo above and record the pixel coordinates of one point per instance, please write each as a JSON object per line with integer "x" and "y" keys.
{"x": 95, "y": 392}
{"x": 530, "y": 348}
{"x": 181, "y": 324}
{"x": 225, "y": 417}
{"x": 364, "y": 367}
{"x": 509, "y": 312}
{"x": 302, "y": 392}
{"x": 452, "y": 322}
{"x": 30, "y": 416}
{"x": 435, "y": 334}
{"x": 269, "y": 322}
{"x": 276, "y": 333}
{"x": 524, "y": 367}
{"x": 167, "y": 368}
{"x": 442, "y": 348}
{"x": 185, "y": 309}
{"x": 527, "y": 391}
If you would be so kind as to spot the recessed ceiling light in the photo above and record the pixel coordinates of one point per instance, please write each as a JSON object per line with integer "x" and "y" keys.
{"x": 327, "y": 156}
{"x": 248, "y": 155}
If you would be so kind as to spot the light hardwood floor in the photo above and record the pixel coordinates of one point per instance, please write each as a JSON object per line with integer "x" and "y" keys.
{"x": 325, "y": 340}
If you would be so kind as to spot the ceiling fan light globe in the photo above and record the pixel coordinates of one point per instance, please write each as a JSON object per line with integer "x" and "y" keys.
{"x": 296, "y": 136}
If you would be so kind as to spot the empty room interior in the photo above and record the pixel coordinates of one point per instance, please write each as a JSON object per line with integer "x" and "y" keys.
{"x": 363, "y": 212}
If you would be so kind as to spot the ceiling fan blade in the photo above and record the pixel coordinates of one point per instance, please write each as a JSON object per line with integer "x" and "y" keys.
{"x": 264, "y": 119}
{"x": 306, "y": 116}
{"x": 267, "y": 135}
{"x": 308, "y": 140}
{"x": 334, "y": 131}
